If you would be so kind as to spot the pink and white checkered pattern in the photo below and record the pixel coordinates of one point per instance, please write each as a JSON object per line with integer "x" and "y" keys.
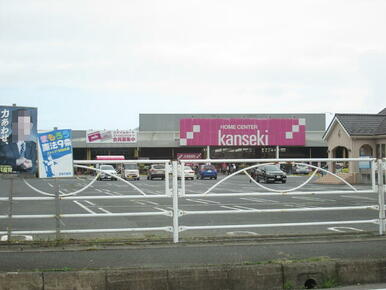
{"x": 190, "y": 135}
{"x": 295, "y": 129}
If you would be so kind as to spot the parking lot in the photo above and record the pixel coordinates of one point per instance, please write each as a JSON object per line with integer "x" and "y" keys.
{"x": 104, "y": 209}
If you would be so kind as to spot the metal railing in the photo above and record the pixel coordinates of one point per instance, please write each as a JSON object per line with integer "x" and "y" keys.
{"x": 176, "y": 191}
{"x": 376, "y": 189}
{"x": 58, "y": 196}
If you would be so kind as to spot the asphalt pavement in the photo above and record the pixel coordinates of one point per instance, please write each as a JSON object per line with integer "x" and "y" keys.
{"x": 230, "y": 204}
{"x": 74, "y": 256}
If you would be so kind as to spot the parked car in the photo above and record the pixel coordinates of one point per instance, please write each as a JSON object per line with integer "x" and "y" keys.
{"x": 156, "y": 171}
{"x": 207, "y": 171}
{"x": 270, "y": 173}
{"x": 107, "y": 169}
{"x": 302, "y": 169}
{"x": 131, "y": 171}
{"x": 188, "y": 172}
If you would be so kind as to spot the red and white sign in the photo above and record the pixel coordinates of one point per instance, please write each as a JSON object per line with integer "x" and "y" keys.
{"x": 106, "y": 136}
{"x": 187, "y": 156}
{"x": 110, "y": 157}
{"x": 242, "y": 132}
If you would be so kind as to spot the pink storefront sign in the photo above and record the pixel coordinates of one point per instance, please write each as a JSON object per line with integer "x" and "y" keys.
{"x": 242, "y": 132}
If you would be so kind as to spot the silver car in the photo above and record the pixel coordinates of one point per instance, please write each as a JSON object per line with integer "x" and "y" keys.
{"x": 109, "y": 172}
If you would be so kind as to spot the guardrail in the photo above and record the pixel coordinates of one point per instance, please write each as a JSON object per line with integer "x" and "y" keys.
{"x": 57, "y": 197}
{"x": 376, "y": 189}
{"x": 177, "y": 190}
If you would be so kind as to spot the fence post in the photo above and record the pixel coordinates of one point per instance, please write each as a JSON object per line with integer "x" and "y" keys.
{"x": 10, "y": 208}
{"x": 182, "y": 166}
{"x": 175, "y": 203}
{"x": 57, "y": 209}
{"x": 167, "y": 187}
{"x": 373, "y": 174}
{"x": 381, "y": 198}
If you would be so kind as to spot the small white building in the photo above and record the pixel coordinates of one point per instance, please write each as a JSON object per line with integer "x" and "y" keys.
{"x": 354, "y": 136}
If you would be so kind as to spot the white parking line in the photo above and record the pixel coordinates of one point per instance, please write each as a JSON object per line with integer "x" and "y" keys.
{"x": 50, "y": 184}
{"x": 344, "y": 229}
{"x": 202, "y": 202}
{"x": 113, "y": 193}
{"x": 210, "y": 201}
{"x": 108, "y": 192}
{"x": 244, "y": 207}
{"x": 84, "y": 207}
{"x": 89, "y": 202}
{"x": 151, "y": 202}
{"x": 158, "y": 208}
{"x": 104, "y": 210}
{"x": 157, "y": 192}
{"x": 359, "y": 197}
{"x": 228, "y": 207}
{"x": 261, "y": 200}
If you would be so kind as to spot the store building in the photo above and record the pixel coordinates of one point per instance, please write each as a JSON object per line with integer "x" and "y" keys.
{"x": 158, "y": 137}
{"x": 354, "y": 136}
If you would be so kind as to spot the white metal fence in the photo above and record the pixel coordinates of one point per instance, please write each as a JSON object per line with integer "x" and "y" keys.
{"x": 175, "y": 191}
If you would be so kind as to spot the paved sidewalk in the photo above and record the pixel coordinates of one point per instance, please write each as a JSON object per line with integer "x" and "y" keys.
{"x": 363, "y": 287}
{"x": 15, "y": 258}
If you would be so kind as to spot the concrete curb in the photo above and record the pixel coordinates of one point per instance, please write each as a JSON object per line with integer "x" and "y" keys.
{"x": 285, "y": 275}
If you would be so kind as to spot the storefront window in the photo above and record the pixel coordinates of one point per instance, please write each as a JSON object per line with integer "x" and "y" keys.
{"x": 366, "y": 150}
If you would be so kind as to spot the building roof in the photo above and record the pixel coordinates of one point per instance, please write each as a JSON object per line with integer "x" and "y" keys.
{"x": 383, "y": 112}
{"x": 361, "y": 124}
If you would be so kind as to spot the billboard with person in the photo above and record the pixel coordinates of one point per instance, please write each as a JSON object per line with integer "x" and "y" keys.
{"x": 18, "y": 139}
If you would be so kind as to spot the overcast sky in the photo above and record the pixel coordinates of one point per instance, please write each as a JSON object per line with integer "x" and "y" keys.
{"x": 99, "y": 64}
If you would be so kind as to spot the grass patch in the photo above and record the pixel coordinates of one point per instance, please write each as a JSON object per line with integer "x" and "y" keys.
{"x": 329, "y": 283}
{"x": 288, "y": 286}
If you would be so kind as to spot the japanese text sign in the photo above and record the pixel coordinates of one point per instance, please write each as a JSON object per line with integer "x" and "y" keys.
{"x": 55, "y": 152}
{"x": 106, "y": 136}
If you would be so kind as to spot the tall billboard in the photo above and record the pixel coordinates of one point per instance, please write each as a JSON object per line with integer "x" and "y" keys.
{"x": 18, "y": 139}
{"x": 55, "y": 154}
{"x": 242, "y": 132}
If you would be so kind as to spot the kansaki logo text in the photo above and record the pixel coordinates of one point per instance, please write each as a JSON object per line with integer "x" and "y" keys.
{"x": 257, "y": 139}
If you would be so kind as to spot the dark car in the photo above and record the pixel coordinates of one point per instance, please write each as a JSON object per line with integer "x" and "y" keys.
{"x": 156, "y": 171}
{"x": 207, "y": 171}
{"x": 270, "y": 173}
